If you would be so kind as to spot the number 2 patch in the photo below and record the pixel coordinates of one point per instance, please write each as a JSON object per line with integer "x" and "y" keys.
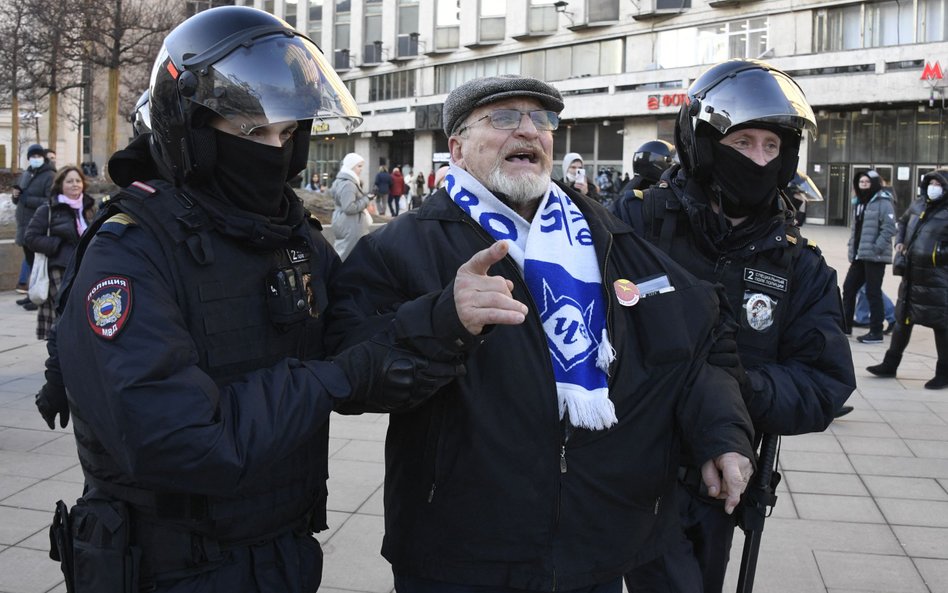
{"x": 109, "y": 305}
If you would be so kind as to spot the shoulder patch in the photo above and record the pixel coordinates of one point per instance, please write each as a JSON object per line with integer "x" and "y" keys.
{"x": 109, "y": 305}
{"x": 116, "y": 225}
{"x": 638, "y": 193}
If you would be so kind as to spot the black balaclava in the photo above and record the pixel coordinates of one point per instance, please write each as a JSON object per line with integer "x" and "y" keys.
{"x": 746, "y": 187}
{"x": 250, "y": 175}
{"x": 865, "y": 195}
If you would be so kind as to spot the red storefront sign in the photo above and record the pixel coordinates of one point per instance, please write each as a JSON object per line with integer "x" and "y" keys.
{"x": 666, "y": 100}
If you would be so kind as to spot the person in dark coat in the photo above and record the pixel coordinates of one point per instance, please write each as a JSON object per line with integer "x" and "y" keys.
{"x": 55, "y": 231}
{"x": 383, "y": 187}
{"x": 649, "y": 162}
{"x": 31, "y": 192}
{"x": 721, "y": 215}
{"x": 191, "y": 336}
{"x": 550, "y": 466}
{"x": 923, "y": 292}
{"x": 870, "y": 250}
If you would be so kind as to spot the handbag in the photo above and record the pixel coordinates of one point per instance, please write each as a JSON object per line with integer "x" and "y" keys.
{"x": 39, "y": 273}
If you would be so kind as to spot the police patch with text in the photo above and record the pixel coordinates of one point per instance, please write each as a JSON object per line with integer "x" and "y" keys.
{"x": 765, "y": 279}
{"x": 109, "y": 305}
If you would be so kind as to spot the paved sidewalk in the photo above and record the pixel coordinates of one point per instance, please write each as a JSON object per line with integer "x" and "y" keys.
{"x": 863, "y": 507}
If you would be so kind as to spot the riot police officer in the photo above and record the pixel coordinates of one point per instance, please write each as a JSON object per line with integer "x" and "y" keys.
{"x": 191, "y": 342}
{"x": 649, "y": 162}
{"x": 721, "y": 215}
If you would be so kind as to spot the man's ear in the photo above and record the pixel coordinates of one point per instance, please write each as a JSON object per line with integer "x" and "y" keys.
{"x": 454, "y": 147}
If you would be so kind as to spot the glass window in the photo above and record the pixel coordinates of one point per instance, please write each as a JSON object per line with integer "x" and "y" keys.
{"x": 582, "y": 139}
{"x": 407, "y": 17}
{"x": 931, "y": 20}
{"x": 289, "y": 12}
{"x": 373, "y": 21}
{"x": 602, "y": 10}
{"x": 838, "y": 138}
{"x": 861, "y": 138}
{"x": 341, "y": 28}
{"x": 610, "y": 57}
{"x": 610, "y": 143}
{"x": 448, "y": 13}
{"x": 585, "y": 59}
{"x": 316, "y": 20}
{"x": 542, "y": 17}
{"x": 558, "y": 63}
{"x": 675, "y": 48}
{"x": 342, "y": 35}
{"x": 493, "y": 8}
{"x": 905, "y": 133}
{"x": 929, "y": 136}
{"x": 532, "y": 64}
{"x": 883, "y": 142}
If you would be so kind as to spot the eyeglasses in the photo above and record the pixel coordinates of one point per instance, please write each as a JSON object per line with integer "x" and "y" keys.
{"x": 509, "y": 119}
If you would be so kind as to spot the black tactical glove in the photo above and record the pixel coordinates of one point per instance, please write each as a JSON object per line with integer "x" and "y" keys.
{"x": 51, "y": 400}
{"x": 387, "y": 378}
{"x": 723, "y": 354}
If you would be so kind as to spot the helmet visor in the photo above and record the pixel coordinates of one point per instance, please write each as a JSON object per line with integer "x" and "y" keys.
{"x": 752, "y": 95}
{"x": 277, "y": 78}
{"x": 802, "y": 184}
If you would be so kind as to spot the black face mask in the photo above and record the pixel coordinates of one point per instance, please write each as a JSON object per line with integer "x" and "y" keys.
{"x": 250, "y": 175}
{"x": 746, "y": 187}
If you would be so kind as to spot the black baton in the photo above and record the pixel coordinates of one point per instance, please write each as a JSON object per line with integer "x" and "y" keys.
{"x": 758, "y": 500}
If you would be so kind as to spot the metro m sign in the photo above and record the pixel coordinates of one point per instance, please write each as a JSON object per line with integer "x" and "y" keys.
{"x": 932, "y": 72}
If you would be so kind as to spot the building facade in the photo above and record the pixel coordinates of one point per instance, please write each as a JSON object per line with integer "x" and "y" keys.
{"x": 871, "y": 70}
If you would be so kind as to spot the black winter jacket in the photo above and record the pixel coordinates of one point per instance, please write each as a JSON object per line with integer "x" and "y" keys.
{"x": 60, "y": 243}
{"x": 34, "y": 187}
{"x": 797, "y": 358}
{"x": 483, "y": 484}
{"x": 923, "y": 293}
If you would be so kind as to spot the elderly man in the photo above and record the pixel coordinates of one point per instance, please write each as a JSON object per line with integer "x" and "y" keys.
{"x": 551, "y": 463}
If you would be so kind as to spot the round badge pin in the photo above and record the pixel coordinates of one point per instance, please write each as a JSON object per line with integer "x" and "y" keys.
{"x": 626, "y": 292}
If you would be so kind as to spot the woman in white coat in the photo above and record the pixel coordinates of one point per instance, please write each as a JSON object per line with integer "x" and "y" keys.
{"x": 350, "y": 221}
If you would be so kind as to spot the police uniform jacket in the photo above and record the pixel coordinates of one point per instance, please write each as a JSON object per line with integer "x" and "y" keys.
{"x": 923, "y": 293}
{"x": 783, "y": 294}
{"x": 484, "y": 485}
{"x": 182, "y": 380}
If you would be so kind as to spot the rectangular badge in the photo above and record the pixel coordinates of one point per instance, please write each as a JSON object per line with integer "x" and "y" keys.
{"x": 297, "y": 255}
{"x": 765, "y": 279}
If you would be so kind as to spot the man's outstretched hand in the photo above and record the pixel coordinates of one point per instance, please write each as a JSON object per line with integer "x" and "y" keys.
{"x": 483, "y": 300}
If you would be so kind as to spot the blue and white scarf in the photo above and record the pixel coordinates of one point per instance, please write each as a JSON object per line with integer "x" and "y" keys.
{"x": 558, "y": 261}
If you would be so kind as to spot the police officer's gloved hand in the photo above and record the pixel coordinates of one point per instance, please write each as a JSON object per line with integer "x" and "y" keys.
{"x": 388, "y": 378}
{"x": 723, "y": 354}
{"x": 51, "y": 400}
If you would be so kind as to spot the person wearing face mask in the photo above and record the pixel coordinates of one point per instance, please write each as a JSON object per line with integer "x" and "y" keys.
{"x": 922, "y": 242}
{"x": 31, "y": 192}
{"x": 550, "y": 464}
{"x": 870, "y": 249}
{"x": 55, "y": 231}
{"x": 573, "y": 179}
{"x": 720, "y": 213}
{"x": 189, "y": 351}
{"x": 350, "y": 221}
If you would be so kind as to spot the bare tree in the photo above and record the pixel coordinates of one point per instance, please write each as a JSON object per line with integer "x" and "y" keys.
{"x": 55, "y": 49}
{"x": 16, "y": 76}
{"x": 124, "y": 36}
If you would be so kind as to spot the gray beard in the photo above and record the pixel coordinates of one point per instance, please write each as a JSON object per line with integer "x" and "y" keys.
{"x": 519, "y": 190}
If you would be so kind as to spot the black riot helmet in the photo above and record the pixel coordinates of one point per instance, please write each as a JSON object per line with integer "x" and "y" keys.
{"x": 740, "y": 94}
{"x": 141, "y": 117}
{"x": 248, "y": 67}
{"x": 652, "y": 158}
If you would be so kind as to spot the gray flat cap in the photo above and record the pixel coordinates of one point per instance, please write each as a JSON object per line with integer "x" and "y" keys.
{"x": 481, "y": 91}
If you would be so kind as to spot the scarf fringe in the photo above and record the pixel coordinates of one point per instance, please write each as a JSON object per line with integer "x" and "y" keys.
{"x": 584, "y": 411}
{"x": 605, "y": 353}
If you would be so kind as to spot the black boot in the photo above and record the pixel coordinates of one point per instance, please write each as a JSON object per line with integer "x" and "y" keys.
{"x": 940, "y": 380}
{"x": 887, "y": 367}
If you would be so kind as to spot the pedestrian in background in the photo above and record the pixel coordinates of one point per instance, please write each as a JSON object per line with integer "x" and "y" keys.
{"x": 419, "y": 190}
{"x": 576, "y": 177}
{"x": 923, "y": 293}
{"x": 396, "y": 192}
{"x": 550, "y": 465}
{"x": 350, "y": 218}
{"x": 722, "y": 216}
{"x": 29, "y": 193}
{"x": 382, "y": 188}
{"x": 870, "y": 249}
{"x": 55, "y": 231}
